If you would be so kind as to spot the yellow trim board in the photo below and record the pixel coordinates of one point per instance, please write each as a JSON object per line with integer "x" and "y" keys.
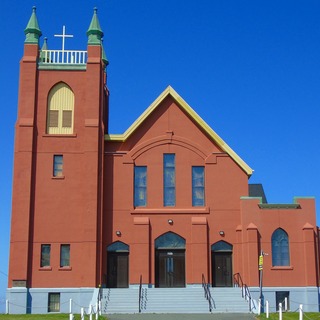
{"x": 184, "y": 105}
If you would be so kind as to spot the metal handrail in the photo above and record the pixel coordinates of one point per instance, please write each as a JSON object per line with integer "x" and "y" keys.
{"x": 99, "y": 300}
{"x": 237, "y": 280}
{"x": 140, "y": 293}
{"x": 247, "y": 296}
{"x": 207, "y": 293}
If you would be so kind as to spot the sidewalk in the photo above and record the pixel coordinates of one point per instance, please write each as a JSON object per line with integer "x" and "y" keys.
{"x": 187, "y": 316}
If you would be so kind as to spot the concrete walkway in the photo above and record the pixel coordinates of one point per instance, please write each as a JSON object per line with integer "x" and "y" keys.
{"x": 187, "y": 316}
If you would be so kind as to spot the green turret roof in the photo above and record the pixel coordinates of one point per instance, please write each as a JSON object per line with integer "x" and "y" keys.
{"x": 45, "y": 44}
{"x": 32, "y": 31}
{"x": 94, "y": 32}
{"x": 44, "y": 47}
{"x": 104, "y": 56}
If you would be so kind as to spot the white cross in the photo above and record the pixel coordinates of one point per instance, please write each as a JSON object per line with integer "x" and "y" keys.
{"x": 63, "y": 36}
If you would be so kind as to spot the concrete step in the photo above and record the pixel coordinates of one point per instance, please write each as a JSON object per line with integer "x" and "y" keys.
{"x": 228, "y": 300}
{"x": 176, "y": 300}
{"x": 173, "y": 300}
{"x": 124, "y": 300}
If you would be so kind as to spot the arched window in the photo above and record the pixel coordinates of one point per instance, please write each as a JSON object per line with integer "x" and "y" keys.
{"x": 221, "y": 246}
{"x": 170, "y": 240}
{"x": 118, "y": 246}
{"x": 280, "y": 248}
{"x": 60, "y": 110}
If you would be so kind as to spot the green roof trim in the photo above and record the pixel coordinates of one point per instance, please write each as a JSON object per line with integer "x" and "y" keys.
{"x": 32, "y": 30}
{"x": 279, "y": 206}
{"x": 60, "y": 66}
{"x": 94, "y": 32}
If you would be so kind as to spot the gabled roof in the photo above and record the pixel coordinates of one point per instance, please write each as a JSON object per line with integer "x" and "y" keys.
{"x": 192, "y": 114}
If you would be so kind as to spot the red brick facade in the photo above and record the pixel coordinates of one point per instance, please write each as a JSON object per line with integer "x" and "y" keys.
{"x": 91, "y": 206}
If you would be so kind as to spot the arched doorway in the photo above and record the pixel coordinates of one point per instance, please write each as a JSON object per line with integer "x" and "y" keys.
{"x": 221, "y": 263}
{"x": 170, "y": 261}
{"x": 118, "y": 265}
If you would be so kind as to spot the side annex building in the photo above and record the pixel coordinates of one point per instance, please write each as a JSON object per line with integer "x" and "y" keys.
{"x": 166, "y": 204}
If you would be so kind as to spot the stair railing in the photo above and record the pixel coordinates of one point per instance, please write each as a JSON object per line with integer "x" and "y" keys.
{"x": 207, "y": 293}
{"x": 238, "y": 282}
{"x": 140, "y": 293}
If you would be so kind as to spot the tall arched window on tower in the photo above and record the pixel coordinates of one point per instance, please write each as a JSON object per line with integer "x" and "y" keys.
{"x": 280, "y": 248}
{"x": 60, "y": 110}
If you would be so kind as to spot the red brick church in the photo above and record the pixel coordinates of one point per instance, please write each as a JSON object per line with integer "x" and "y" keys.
{"x": 164, "y": 206}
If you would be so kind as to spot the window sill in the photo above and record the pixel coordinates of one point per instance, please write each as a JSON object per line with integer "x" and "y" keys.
{"x": 64, "y": 135}
{"x": 45, "y": 269}
{"x": 58, "y": 178}
{"x": 171, "y": 210}
{"x": 65, "y": 269}
{"x": 282, "y": 268}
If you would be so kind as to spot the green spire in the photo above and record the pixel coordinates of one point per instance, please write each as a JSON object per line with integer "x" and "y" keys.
{"x": 44, "y": 47}
{"x": 94, "y": 32}
{"x": 32, "y": 31}
{"x": 104, "y": 57}
{"x": 45, "y": 44}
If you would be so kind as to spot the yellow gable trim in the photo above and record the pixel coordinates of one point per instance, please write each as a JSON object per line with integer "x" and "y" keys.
{"x": 201, "y": 123}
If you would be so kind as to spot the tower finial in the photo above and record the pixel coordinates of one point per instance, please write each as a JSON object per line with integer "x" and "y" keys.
{"x": 94, "y": 32}
{"x": 32, "y": 31}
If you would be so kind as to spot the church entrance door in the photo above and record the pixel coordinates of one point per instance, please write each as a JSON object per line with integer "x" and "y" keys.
{"x": 170, "y": 268}
{"x": 222, "y": 269}
{"x": 118, "y": 265}
{"x": 221, "y": 264}
{"x": 170, "y": 261}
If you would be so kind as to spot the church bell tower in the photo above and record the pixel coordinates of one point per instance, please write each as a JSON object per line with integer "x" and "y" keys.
{"x": 58, "y": 166}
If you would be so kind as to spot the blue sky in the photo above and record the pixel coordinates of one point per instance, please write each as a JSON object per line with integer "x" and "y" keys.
{"x": 249, "y": 68}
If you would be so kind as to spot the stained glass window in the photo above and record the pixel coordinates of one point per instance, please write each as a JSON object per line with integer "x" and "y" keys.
{"x": 197, "y": 186}
{"x": 170, "y": 240}
{"x": 140, "y": 186}
{"x": 118, "y": 246}
{"x": 280, "y": 248}
{"x": 221, "y": 246}
{"x": 169, "y": 180}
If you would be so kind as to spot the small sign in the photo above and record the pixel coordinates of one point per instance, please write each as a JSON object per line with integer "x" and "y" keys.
{"x": 261, "y": 262}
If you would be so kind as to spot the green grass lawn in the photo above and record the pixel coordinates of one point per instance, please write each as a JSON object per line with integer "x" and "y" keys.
{"x": 290, "y": 316}
{"x": 59, "y": 316}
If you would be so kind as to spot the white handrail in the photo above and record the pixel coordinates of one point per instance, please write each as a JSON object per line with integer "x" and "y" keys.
{"x": 63, "y": 56}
